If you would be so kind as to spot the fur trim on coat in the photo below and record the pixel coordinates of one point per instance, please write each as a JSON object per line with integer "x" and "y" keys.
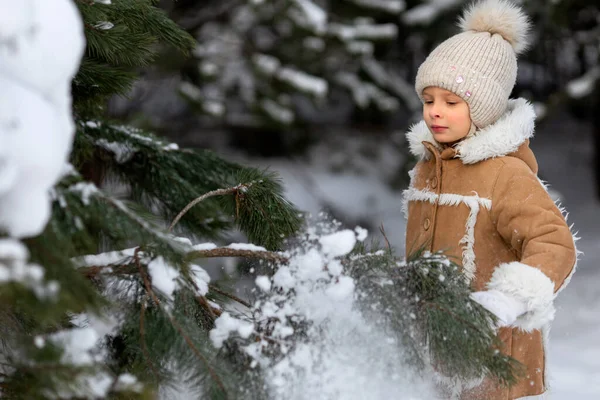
{"x": 496, "y": 140}
{"x": 531, "y": 287}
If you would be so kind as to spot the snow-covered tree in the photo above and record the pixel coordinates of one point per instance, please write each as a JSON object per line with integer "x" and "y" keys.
{"x": 285, "y": 62}
{"x": 100, "y": 298}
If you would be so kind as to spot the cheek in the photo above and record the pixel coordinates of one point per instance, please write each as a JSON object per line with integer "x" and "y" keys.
{"x": 461, "y": 118}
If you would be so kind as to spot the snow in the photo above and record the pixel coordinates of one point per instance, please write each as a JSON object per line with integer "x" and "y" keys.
{"x": 245, "y": 246}
{"x": 341, "y": 354}
{"x": 128, "y": 382}
{"x": 393, "y": 82}
{"x": 171, "y": 147}
{"x": 342, "y": 290}
{"x": 183, "y": 240}
{"x": 314, "y": 16}
{"x": 266, "y": 64}
{"x": 263, "y": 282}
{"x": 424, "y": 14}
{"x": 364, "y": 31}
{"x": 283, "y": 278}
{"x": 123, "y": 152}
{"x": 213, "y": 107}
{"x": 15, "y": 268}
{"x": 338, "y": 243}
{"x": 163, "y": 276}
{"x": 190, "y": 91}
{"x": 136, "y": 134}
{"x": 77, "y": 343}
{"x": 303, "y": 81}
{"x": 208, "y": 68}
{"x": 314, "y": 43}
{"x": 39, "y": 342}
{"x": 204, "y": 246}
{"x": 225, "y": 325}
{"x": 360, "y": 47}
{"x": 85, "y": 189}
{"x": 102, "y": 325}
{"x": 391, "y": 6}
{"x": 277, "y": 112}
{"x": 361, "y": 233}
{"x": 365, "y": 93}
{"x": 201, "y": 279}
{"x": 39, "y": 60}
{"x": 583, "y": 85}
{"x": 104, "y": 25}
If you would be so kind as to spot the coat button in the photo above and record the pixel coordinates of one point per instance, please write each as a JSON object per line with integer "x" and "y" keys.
{"x": 434, "y": 182}
{"x": 426, "y": 223}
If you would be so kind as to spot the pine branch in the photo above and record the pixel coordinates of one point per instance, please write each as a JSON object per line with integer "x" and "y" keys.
{"x": 228, "y": 252}
{"x": 139, "y": 31}
{"x": 229, "y": 295}
{"x": 163, "y": 177}
{"x": 218, "y": 192}
{"x": 176, "y": 325}
{"x": 426, "y": 303}
{"x": 143, "y": 340}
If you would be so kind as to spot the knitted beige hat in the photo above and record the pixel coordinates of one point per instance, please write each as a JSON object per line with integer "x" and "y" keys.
{"x": 479, "y": 64}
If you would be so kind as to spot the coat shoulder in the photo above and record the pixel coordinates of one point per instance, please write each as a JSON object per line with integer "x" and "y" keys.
{"x": 513, "y": 166}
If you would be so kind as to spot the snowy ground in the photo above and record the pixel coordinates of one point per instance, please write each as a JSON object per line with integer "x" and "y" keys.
{"x": 565, "y": 157}
{"x": 565, "y": 162}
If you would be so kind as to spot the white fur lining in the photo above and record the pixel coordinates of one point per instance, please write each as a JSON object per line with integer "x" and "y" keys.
{"x": 565, "y": 215}
{"x": 546, "y": 345}
{"x": 498, "y": 139}
{"x": 529, "y": 285}
{"x": 449, "y": 199}
{"x": 417, "y": 134}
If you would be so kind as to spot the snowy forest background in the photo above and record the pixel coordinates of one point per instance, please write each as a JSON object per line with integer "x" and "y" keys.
{"x": 320, "y": 92}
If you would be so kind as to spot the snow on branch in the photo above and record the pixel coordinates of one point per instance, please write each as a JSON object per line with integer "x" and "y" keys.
{"x": 424, "y": 14}
{"x": 14, "y": 268}
{"x": 365, "y": 93}
{"x": 38, "y": 63}
{"x": 394, "y": 83}
{"x": 584, "y": 85}
{"x": 304, "y": 82}
{"x": 277, "y": 112}
{"x": 364, "y": 31}
{"x": 309, "y": 15}
{"x": 390, "y": 6}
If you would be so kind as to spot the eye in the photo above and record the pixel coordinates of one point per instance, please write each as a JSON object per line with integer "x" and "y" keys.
{"x": 428, "y": 102}
{"x": 451, "y": 103}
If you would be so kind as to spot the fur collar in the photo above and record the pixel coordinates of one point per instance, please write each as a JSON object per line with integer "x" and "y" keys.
{"x": 498, "y": 139}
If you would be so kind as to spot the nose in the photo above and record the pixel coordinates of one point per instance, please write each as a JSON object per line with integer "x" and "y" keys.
{"x": 434, "y": 111}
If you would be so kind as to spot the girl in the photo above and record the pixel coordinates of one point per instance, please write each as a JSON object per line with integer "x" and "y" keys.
{"x": 475, "y": 192}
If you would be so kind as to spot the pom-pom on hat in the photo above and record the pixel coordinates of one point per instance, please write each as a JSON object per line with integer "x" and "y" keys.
{"x": 480, "y": 64}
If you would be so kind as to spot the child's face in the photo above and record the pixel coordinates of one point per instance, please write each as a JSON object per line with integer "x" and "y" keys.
{"x": 447, "y": 115}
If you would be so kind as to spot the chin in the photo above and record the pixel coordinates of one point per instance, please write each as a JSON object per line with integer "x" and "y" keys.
{"x": 441, "y": 138}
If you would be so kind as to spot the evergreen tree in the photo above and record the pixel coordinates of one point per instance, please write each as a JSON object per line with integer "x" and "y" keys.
{"x": 113, "y": 258}
{"x": 282, "y": 63}
{"x": 108, "y": 301}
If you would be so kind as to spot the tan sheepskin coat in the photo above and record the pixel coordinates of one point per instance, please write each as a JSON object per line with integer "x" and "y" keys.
{"x": 482, "y": 203}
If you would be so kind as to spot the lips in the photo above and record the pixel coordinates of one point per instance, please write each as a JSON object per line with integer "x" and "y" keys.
{"x": 438, "y": 128}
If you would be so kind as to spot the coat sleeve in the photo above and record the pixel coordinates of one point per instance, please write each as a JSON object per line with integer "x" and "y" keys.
{"x": 533, "y": 226}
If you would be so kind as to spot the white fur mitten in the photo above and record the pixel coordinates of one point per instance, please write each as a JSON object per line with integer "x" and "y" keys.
{"x": 506, "y": 308}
